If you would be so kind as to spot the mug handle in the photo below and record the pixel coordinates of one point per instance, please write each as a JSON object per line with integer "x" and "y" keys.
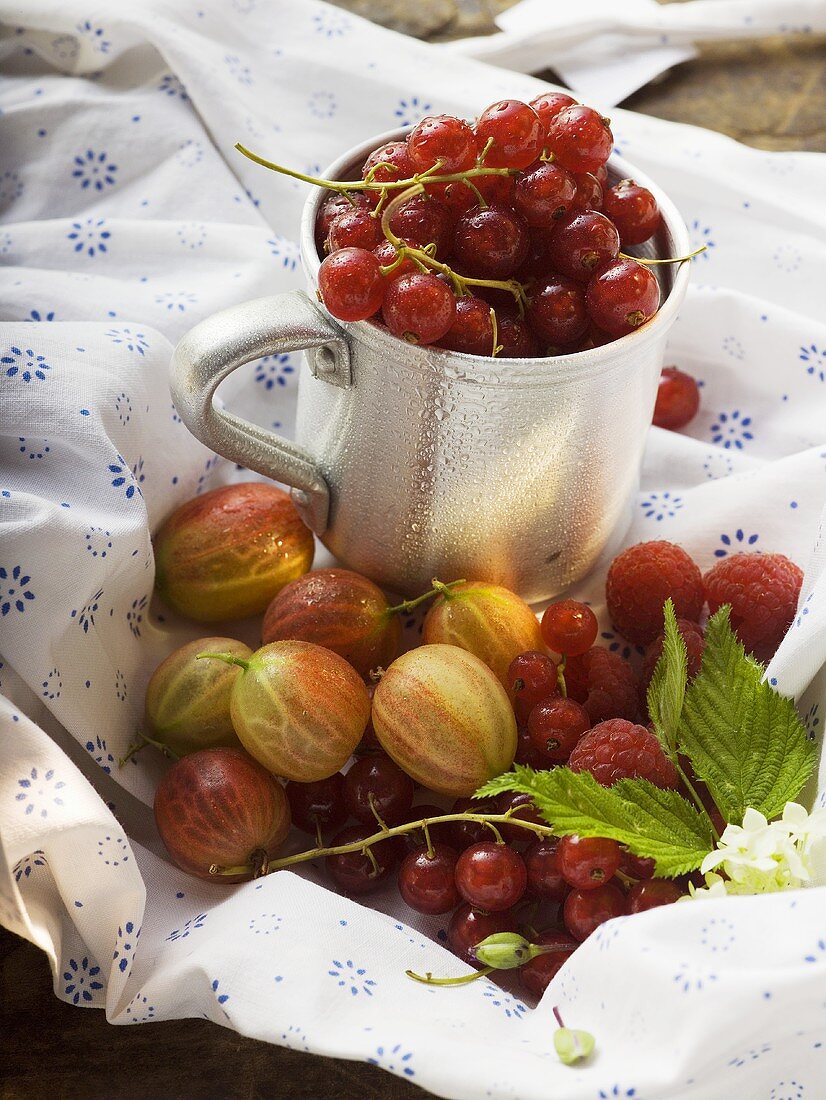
{"x": 216, "y": 347}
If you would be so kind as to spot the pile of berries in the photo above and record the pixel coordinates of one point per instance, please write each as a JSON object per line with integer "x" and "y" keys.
{"x": 500, "y": 237}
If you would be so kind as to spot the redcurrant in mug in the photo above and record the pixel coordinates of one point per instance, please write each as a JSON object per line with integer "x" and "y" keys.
{"x": 415, "y": 462}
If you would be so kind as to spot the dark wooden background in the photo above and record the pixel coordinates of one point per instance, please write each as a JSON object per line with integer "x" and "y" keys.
{"x": 771, "y": 94}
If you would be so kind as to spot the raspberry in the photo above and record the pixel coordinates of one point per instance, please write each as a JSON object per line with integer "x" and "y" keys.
{"x": 620, "y": 750}
{"x": 763, "y": 590}
{"x": 639, "y": 582}
{"x": 695, "y": 643}
{"x": 604, "y": 683}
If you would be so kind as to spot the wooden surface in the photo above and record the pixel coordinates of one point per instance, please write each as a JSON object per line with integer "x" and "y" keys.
{"x": 770, "y": 94}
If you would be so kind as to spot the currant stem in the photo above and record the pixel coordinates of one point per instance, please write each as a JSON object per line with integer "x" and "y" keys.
{"x": 227, "y": 658}
{"x": 560, "y": 678}
{"x": 438, "y": 589}
{"x": 668, "y": 259}
{"x": 428, "y": 979}
{"x": 386, "y": 834}
{"x": 144, "y": 741}
{"x": 557, "y": 1016}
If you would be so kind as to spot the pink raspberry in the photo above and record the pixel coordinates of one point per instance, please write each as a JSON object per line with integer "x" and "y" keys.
{"x": 639, "y": 582}
{"x": 695, "y": 643}
{"x": 604, "y": 683}
{"x": 620, "y": 750}
{"x": 763, "y": 590}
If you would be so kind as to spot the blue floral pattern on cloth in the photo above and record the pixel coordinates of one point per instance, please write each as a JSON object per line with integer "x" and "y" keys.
{"x": 90, "y": 236}
{"x": 187, "y": 928}
{"x": 24, "y": 363}
{"x": 732, "y": 429}
{"x": 411, "y": 110}
{"x": 25, "y": 866}
{"x": 15, "y": 589}
{"x": 129, "y": 339}
{"x": 95, "y": 170}
{"x": 352, "y": 977}
{"x": 124, "y": 954}
{"x": 274, "y": 370}
{"x": 394, "y": 1059}
{"x": 39, "y": 792}
{"x": 814, "y": 361}
{"x": 735, "y": 543}
{"x": 82, "y": 980}
{"x": 660, "y": 506}
{"x": 100, "y": 754}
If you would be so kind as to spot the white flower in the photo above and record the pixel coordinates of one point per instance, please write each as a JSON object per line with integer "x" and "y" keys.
{"x": 715, "y": 888}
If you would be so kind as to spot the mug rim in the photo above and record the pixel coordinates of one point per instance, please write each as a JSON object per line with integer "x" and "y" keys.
{"x": 502, "y": 370}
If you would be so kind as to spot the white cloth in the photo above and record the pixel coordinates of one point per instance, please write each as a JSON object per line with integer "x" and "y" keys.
{"x": 126, "y": 218}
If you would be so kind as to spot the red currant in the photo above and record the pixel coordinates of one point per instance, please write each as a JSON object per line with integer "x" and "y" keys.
{"x": 588, "y": 861}
{"x": 538, "y": 973}
{"x": 317, "y": 804}
{"x": 633, "y": 210}
{"x": 426, "y": 879}
{"x": 515, "y": 338}
{"x": 678, "y": 399}
{"x": 525, "y": 753}
{"x": 537, "y": 264}
{"x": 589, "y": 193}
{"x": 549, "y": 104}
{"x": 544, "y": 194}
{"x": 446, "y": 139}
{"x": 554, "y": 727}
{"x": 490, "y": 243}
{"x": 468, "y": 927}
{"x": 580, "y": 138}
{"x": 353, "y": 872}
{"x": 418, "y": 308}
{"x": 586, "y": 910}
{"x": 333, "y": 205}
{"x": 523, "y": 807}
{"x": 621, "y": 296}
{"x": 495, "y": 190}
{"x": 516, "y": 131}
{"x": 556, "y": 311}
{"x": 545, "y": 880}
{"x": 423, "y": 220}
{"x": 395, "y": 153}
{"x": 351, "y": 284}
{"x": 652, "y": 893}
{"x": 601, "y": 174}
{"x": 532, "y": 677}
{"x": 491, "y": 876}
{"x": 472, "y": 329}
{"x": 355, "y": 228}
{"x": 569, "y": 627}
{"x": 438, "y": 833}
{"x": 581, "y": 242}
{"x": 465, "y": 833}
{"x": 639, "y": 867}
{"x": 387, "y": 255}
{"x": 377, "y": 782}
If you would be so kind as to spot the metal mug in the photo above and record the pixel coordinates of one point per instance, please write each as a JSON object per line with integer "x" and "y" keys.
{"x": 416, "y": 462}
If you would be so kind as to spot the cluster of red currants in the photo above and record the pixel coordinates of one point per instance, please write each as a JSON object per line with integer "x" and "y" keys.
{"x": 498, "y": 238}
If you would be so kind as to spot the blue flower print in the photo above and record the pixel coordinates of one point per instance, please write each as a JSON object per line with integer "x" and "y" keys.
{"x": 691, "y": 979}
{"x": 266, "y": 924}
{"x": 814, "y": 359}
{"x": 818, "y": 954}
{"x": 238, "y": 70}
{"x": 733, "y": 347}
{"x": 191, "y": 235}
{"x": 82, "y": 981}
{"x": 618, "y": 1092}
{"x": 294, "y": 1038}
{"x": 137, "y": 473}
{"x": 394, "y": 1059}
{"x": 787, "y": 1090}
{"x": 123, "y": 407}
{"x": 701, "y": 235}
{"x": 285, "y": 251}
{"x": 52, "y": 685}
{"x": 787, "y": 258}
{"x": 38, "y": 792}
{"x": 6, "y": 243}
{"x": 512, "y": 1008}
{"x": 36, "y": 315}
{"x": 120, "y": 686}
{"x": 274, "y": 370}
{"x": 134, "y": 616}
{"x": 139, "y": 1010}
{"x": 352, "y": 977}
{"x": 751, "y": 1055}
{"x": 177, "y": 301}
{"x": 717, "y": 465}
{"x": 113, "y": 850}
{"x": 737, "y": 542}
{"x": 170, "y": 85}
{"x": 123, "y": 476}
{"x": 25, "y": 364}
{"x": 94, "y": 170}
{"x": 86, "y": 615}
{"x": 221, "y": 998}
{"x": 617, "y": 644}
{"x": 100, "y": 754}
{"x": 33, "y": 450}
{"x": 331, "y": 24}
{"x": 190, "y": 153}
{"x": 98, "y": 541}
{"x": 127, "y": 943}
{"x": 812, "y": 721}
{"x": 65, "y": 48}
{"x": 322, "y": 104}
{"x": 411, "y": 110}
{"x": 129, "y": 339}
{"x": 90, "y": 236}
{"x": 95, "y": 34}
{"x": 187, "y": 928}
{"x": 176, "y": 416}
{"x": 14, "y": 589}
{"x": 732, "y": 429}
{"x": 209, "y": 466}
{"x": 660, "y": 506}
{"x": 717, "y": 935}
{"x": 804, "y": 611}
{"x": 11, "y": 187}
{"x": 24, "y": 867}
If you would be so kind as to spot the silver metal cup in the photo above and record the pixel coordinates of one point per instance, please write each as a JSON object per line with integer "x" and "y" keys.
{"x": 414, "y": 462}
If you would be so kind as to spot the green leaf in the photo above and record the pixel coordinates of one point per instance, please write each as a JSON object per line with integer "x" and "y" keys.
{"x": 666, "y": 692}
{"x": 651, "y": 822}
{"x": 744, "y": 740}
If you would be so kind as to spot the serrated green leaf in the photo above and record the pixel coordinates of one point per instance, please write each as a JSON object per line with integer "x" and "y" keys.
{"x": 744, "y": 740}
{"x": 666, "y": 692}
{"x": 654, "y": 823}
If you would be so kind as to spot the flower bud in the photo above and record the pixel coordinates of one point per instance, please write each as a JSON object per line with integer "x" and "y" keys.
{"x": 572, "y": 1045}
{"x": 504, "y": 950}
